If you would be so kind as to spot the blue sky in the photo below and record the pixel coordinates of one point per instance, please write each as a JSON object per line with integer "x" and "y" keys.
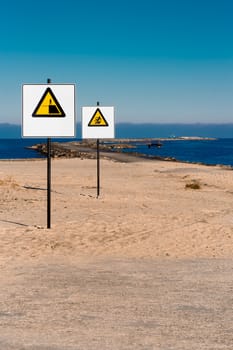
{"x": 154, "y": 60}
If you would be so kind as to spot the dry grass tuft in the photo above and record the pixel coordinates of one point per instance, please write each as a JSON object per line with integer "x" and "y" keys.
{"x": 193, "y": 184}
{"x": 8, "y": 189}
{"x": 9, "y": 181}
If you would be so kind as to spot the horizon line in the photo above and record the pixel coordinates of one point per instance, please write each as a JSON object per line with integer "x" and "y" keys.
{"x": 146, "y": 123}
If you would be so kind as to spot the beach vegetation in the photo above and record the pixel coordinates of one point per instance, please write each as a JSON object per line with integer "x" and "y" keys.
{"x": 9, "y": 181}
{"x": 193, "y": 184}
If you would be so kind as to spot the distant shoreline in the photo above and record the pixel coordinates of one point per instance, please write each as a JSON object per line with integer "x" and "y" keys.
{"x": 116, "y": 150}
{"x": 145, "y": 130}
{"x": 113, "y": 150}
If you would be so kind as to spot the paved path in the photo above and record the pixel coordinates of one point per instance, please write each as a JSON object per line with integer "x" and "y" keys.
{"x": 117, "y": 156}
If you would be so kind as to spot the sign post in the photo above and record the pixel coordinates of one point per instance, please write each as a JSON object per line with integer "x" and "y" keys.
{"x": 98, "y": 166}
{"x": 98, "y": 123}
{"x": 98, "y": 163}
{"x": 49, "y": 183}
{"x": 48, "y": 111}
{"x": 49, "y": 177}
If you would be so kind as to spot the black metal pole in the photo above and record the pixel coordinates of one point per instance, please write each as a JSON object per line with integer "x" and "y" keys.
{"x": 48, "y": 183}
{"x": 49, "y": 178}
{"x": 98, "y": 162}
{"x": 98, "y": 166}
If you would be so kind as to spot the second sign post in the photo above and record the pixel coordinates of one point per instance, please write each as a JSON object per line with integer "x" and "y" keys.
{"x": 98, "y": 123}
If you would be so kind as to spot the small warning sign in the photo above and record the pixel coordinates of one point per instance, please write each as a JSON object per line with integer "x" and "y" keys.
{"x": 98, "y": 122}
{"x": 48, "y": 106}
{"x": 98, "y": 119}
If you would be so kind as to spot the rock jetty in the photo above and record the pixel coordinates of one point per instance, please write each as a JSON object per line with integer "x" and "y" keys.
{"x": 78, "y": 149}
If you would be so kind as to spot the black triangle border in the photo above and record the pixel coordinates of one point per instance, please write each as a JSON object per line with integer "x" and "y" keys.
{"x": 46, "y": 115}
{"x": 98, "y": 110}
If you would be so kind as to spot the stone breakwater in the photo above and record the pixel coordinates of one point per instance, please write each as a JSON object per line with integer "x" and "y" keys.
{"x": 79, "y": 149}
{"x": 86, "y": 149}
{"x": 57, "y": 151}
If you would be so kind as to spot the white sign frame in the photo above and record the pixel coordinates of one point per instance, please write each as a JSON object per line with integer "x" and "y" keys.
{"x": 48, "y": 126}
{"x": 98, "y": 132}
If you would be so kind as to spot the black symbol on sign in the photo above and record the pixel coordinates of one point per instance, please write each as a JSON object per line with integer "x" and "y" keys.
{"x": 98, "y": 120}
{"x": 53, "y": 108}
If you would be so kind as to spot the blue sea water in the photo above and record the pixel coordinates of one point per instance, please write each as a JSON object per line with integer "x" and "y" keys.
{"x": 16, "y": 148}
{"x": 211, "y": 152}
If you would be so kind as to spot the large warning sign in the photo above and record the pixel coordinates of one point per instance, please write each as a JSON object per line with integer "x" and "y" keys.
{"x": 48, "y": 106}
{"x": 48, "y": 110}
{"x": 98, "y": 122}
{"x": 98, "y": 119}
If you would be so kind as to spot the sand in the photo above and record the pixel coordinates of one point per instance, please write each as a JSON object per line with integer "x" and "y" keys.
{"x": 147, "y": 265}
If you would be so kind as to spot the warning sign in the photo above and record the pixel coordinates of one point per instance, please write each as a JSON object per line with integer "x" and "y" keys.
{"x": 98, "y": 119}
{"x": 48, "y": 106}
{"x": 98, "y": 122}
{"x": 48, "y": 110}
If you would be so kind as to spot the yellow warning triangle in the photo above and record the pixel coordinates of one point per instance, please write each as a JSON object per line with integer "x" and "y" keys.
{"x": 98, "y": 119}
{"x": 48, "y": 106}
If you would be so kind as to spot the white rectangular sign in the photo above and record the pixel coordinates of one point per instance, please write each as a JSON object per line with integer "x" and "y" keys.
{"x": 98, "y": 122}
{"x": 48, "y": 110}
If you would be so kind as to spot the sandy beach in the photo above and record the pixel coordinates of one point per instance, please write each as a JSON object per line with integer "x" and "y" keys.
{"x": 147, "y": 265}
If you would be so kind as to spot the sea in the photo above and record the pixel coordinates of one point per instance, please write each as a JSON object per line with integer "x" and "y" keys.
{"x": 210, "y": 152}
{"x": 215, "y": 151}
